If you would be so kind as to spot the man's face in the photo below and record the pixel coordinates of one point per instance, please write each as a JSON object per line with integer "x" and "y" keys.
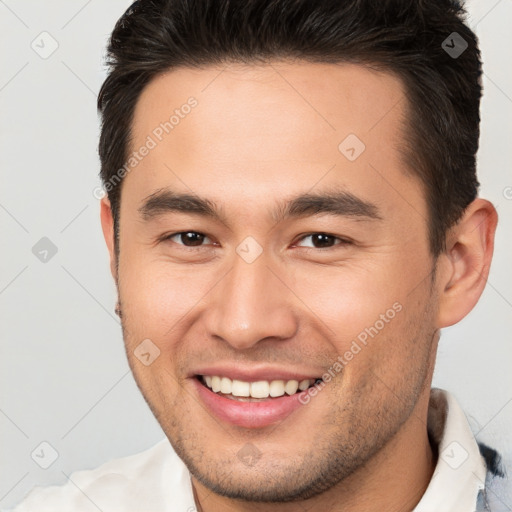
{"x": 262, "y": 292}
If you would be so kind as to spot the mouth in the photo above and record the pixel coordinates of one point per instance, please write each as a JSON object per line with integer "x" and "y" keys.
{"x": 256, "y": 391}
{"x": 252, "y": 404}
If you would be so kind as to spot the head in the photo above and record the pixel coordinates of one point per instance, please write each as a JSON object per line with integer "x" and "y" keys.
{"x": 318, "y": 159}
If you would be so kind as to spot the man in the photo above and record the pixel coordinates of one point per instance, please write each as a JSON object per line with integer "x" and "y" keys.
{"x": 292, "y": 217}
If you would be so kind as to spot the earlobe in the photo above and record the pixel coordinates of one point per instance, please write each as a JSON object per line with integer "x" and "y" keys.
{"x": 466, "y": 262}
{"x": 107, "y": 225}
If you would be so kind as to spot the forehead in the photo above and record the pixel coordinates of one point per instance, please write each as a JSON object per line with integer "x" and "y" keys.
{"x": 301, "y": 99}
{"x": 268, "y": 129}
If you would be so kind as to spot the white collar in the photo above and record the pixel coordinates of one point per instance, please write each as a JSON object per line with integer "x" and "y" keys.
{"x": 460, "y": 471}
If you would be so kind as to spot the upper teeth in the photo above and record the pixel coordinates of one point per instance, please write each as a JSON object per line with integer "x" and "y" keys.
{"x": 258, "y": 389}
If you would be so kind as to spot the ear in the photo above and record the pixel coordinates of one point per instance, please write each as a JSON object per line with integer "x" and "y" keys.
{"x": 464, "y": 267}
{"x": 107, "y": 225}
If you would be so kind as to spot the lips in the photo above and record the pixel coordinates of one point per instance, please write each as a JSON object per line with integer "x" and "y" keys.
{"x": 251, "y": 401}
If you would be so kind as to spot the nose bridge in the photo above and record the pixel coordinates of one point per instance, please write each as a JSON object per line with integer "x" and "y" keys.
{"x": 250, "y": 304}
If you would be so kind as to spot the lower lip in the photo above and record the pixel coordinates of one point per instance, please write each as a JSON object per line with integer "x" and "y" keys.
{"x": 249, "y": 414}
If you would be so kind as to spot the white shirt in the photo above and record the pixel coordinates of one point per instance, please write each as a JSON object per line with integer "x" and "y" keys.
{"x": 157, "y": 480}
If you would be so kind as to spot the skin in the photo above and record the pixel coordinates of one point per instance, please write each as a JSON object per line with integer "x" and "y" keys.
{"x": 258, "y": 136}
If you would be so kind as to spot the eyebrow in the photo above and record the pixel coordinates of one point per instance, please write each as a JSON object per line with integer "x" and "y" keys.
{"x": 339, "y": 203}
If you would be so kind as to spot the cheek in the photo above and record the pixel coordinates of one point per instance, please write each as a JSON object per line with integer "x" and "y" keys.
{"x": 373, "y": 312}
{"x": 350, "y": 298}
{"x": 158, "y": 297}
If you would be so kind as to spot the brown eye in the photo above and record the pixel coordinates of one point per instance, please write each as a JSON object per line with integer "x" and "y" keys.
{"x": 323, "y": 241}
{"x": 188, "y": 238}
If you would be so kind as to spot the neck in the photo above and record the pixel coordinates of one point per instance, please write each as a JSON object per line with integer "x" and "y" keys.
{"x": 395, "y": 478}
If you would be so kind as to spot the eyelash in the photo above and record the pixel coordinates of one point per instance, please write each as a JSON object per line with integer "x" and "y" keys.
{"x": 341, "y": 241}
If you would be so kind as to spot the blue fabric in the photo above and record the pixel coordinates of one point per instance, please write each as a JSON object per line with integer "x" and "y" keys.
{"x": 497, "y": 495}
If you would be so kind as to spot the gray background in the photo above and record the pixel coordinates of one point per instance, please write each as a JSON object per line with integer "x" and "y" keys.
{"x": 64, "y": 375}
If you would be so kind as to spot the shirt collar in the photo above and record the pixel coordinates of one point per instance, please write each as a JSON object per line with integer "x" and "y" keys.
{"x": 460, "y": 471}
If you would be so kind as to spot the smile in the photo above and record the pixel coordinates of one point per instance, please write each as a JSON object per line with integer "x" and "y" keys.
{"x": 254, "y": 404}
{"x": 249, "y": 391}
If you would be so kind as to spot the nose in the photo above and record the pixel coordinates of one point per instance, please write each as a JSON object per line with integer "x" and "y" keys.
{"x": 251, "y": 303}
